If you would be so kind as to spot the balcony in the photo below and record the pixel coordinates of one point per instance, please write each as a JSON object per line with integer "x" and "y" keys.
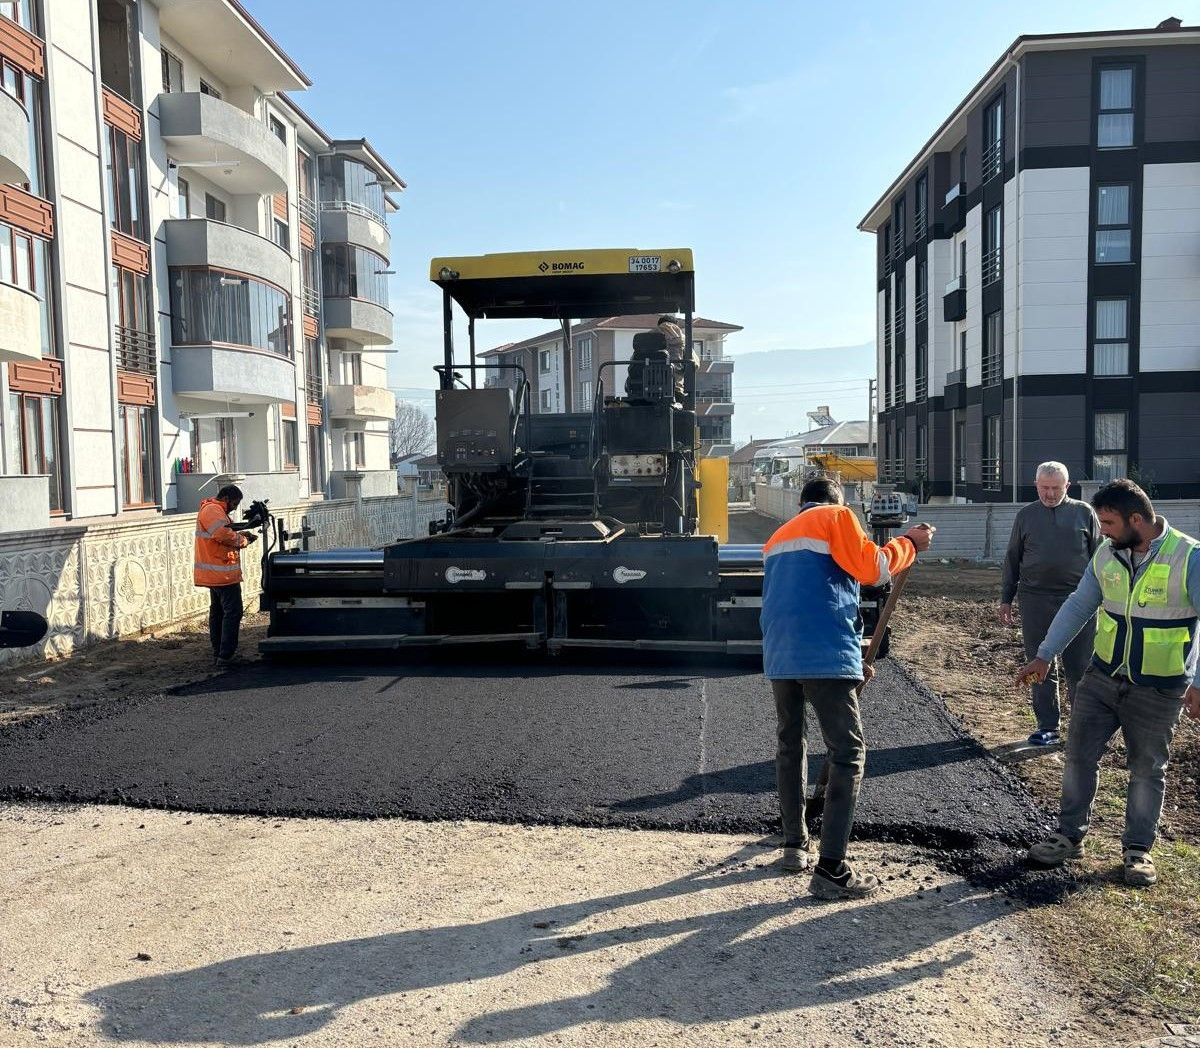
{"x": 26, "y": 502}
{"x": 990, "y": 474}
{"x": 20, "y": 324}
{"x": 314, "y": 387}
{"x": 200, "y": 129}
{"x": 308, "y": 210}
{"x": 360, "y": 228}
{"x": 713, "y": 407}
{"x": 233, "y": 376}
{"x": 954, "y": 300}
{"x": 921, "y": 389}
{"x": 993, "y": 369}
{"x": 921, "y": 467}
{"x": 716, "y": 367}
{"x": 14, "y": 140}
{"x": 952, "y": 207}
{"x": 209, "y": 244}
{"x": 311, "y": 301}
{"x": 993, "y": 160}
{"x": 361, "y": 404}
{"x": 135, "y": 350}
{"x": 955, "y": 394}
{"x": 921, "y": 307}
{"x": 920, "y": 226}
{"x": 281, "y": 489}
{"x": 990, "y": 267}
{"x": 358, "y": 320}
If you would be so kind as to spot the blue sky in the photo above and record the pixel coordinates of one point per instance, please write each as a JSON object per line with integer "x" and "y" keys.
{"x": 756, "y": 133}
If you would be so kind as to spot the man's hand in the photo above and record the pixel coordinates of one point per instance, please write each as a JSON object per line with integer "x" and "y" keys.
{"x": 920, "y": 535}
{"x": 251, "y": 537}
{"x": 1005, "y": 615}
{"x": 1033, "y": 672}
{"x": 1191, "y": 702}
{"x": 868, "y": 672}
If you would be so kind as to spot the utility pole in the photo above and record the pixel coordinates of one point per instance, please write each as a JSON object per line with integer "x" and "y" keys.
{"x": 871, "y": 416}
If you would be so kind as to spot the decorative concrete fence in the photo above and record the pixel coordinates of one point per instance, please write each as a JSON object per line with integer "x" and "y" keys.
{"x": 110, "y": 579}
{"x": 978, "y": 531}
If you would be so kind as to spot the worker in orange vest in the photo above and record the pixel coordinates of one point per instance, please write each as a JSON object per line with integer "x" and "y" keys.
{"x": 217, "y": 566}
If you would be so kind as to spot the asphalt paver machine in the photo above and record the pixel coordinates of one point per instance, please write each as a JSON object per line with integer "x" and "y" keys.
{"x": 589, "y": 527}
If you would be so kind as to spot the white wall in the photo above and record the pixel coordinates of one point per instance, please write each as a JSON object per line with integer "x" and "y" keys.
{"x": 1170, "y": 332}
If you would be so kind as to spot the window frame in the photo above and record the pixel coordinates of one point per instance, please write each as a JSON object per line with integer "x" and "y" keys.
{"x": 289, "y": 444}
{"x": 183, "y": 196}
{"x": 1098, "y": 341}
{"x": 25, "y": 448}
{"x": 545, "y": 400}
{"x": 277, "y": 127}
{"x": 1130, "y": 110}
{"x": 207, "y": 89}
{"x": 1113, "y": 451}
{"x": 141, "y": 419}
{"x": 213, "y": 204}
{"x": 169, "y": 87}
{"x": 1098, "y": 227}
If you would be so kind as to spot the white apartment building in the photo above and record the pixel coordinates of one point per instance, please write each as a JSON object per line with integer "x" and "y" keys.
{"x": 193, "y": 275}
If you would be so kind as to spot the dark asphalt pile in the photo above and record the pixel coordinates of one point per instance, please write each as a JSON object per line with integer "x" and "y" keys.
{"x": 679, "y": 747}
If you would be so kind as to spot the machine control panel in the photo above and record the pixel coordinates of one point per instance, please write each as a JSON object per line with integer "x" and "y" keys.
{"x": 474, "y": 430}
{"x": 637, "y": 465}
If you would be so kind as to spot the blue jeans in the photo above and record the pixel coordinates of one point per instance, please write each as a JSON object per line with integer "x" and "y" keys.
{"x": 1147, "y": 718}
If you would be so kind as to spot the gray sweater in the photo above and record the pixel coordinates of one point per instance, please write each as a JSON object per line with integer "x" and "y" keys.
{"x": 1049, "y": 549}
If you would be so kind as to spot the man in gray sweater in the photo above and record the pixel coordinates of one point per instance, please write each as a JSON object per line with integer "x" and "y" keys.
{"x": 1051, "y": 545}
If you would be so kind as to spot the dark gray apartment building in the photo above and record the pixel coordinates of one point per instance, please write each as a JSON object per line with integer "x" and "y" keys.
{"x": 1038, "y": 274}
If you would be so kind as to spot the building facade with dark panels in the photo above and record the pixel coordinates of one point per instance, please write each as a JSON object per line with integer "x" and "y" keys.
{"x": 1038, "y": 274}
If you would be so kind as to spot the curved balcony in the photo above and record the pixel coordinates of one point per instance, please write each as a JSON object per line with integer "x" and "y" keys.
{"x": 232, "y": 375}
{"x": 201, "y": 129}
{"x": 14, "y": 140}
{"x": 351, "y": 227}
{"x": 205, "y": 242}
{"x": 358, "y": 320}
{"x": 20, "y": 324}
{"x": 354, "y": 406}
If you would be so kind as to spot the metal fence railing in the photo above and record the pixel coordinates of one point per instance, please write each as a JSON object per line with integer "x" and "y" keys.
{"x": 991, "y": 474}
{"x": 993, "y": 159}
{"x": 135, "y": 351}
{"x": 993, "y": 369}
{"x": 990, "y": 265}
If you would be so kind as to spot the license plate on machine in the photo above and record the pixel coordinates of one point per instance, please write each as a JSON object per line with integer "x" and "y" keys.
{"x": 645, "y": 263}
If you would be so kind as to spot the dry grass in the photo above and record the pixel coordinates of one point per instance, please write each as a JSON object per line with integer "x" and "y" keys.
{"x": 1133, "y": 950}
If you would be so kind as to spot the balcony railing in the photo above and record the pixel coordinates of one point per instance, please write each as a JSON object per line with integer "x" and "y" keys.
{"x": 920, "y": 227}
{"x": 991, "y": 474}
{"x": 954, "y": 192}
{"x": 955, "y": 377}
{"x": 993, "y": 369}
{"x": 960, "y": 471}
{"x": 314, "y": 388}
{"x": 898, "y": 245}
{"x": 311, "y": 300}
{"x": 921, "y": 310}
{"x": 921, "y": 388}
{"x": 991, "y": 265}
{"x": 921, "y": 466}
{"x": 353, "y": 206}
{"x": 308, "y": 209}
{"x": 993, "y": 159}
{"x": 135, "y": 351}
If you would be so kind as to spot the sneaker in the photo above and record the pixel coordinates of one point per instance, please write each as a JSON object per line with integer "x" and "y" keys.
{"x": 1056, "y": 850}
{"x": 1045, "y": 737}
{"x": 223, "y": 663}
{"x": 850, "y": 885}
{"x": 1139, "y": 868}
{"x": 795, "y": 858}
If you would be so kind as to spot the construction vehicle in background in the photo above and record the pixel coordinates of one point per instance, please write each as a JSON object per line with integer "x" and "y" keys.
{"x": 596, "y": 527}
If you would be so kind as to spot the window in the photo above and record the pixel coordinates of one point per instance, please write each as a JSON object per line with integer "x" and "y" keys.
{"x": 962, "y": 353}
{"x": 123, "y": 170}
{"x": 584, "y": 347}
{"x": 962, "y": 259}
{"x": 922, "y": 302}
{"x": 1114, "y": 123}
{"x": 228, "y": 444}
{"x": 183, "y": 198}
{"x": 207, "y": 89}
{"x": 119, "y": 40}
{"x": 312, "y": 370}
{"x": 544, "y": 399}
{"x": 993, "y": 139}
{"x": 352, "y": 369}
{"x": 214, "y": 208}
{"x": 281, "y": 234}
{"x": 347, "y": 185}
{"x": 19, "y": 11}
{"x": 921, "y": 204}
{"x": 992, "y": 261}
{"x": 1113, "y": 235}
{"x": 172, "y": 72}
{"x": 305, "y": 175}
{"x": 26, "y": 90}
{"x": 316, "y": 460}
{"x": 960, "y": 448}
{"x": 545, "y": 357}
{"x": 354, "y": 272}
{"x": 134, "y": 333}
{"x": 1110, "y": 351}
{"x": 36, "y": 439}
{"x": 898, "y": 226}
{"x": 705, "y": 350}
{"x": 277, "y": 128}
{"x": 354, "y": 450}
{"x": 136, "y": 439}
{"x": 209, "y": 305}
{"x": 991, "y": 452}
{"x": 16, "y": 259}
{"x": 290, "y": 443}
{"x": 962, "y": 167}
{"x": 1110, "y": 455}
{"x": 887, "y": 242}
{"x": 993, "y": 349}
{"x": 922, "y": 385}
{"x": 585, "y": 396}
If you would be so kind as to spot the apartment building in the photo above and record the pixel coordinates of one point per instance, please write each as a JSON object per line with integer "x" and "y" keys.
{"x": 193, "y": 275}
{"x": 598, "y": 349}
{"x": 1038, "y": 274}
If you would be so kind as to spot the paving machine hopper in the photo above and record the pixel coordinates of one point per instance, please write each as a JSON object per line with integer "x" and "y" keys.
{"x": 572, "y": 529}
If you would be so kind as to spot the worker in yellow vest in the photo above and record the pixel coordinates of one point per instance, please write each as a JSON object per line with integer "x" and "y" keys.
{"x": 1143, "y": 586}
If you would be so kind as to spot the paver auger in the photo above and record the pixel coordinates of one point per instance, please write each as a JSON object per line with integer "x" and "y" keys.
{"x": 592, "y": 528}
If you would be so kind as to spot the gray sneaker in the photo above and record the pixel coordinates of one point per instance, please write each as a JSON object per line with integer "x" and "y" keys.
{"x": 1056, "y": 850}
{"x": 855, "y": 886}
{"x": 1139, "y": 868}
{"x": 795, "y": 859}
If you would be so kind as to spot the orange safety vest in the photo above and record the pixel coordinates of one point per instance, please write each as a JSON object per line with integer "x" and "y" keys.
{"x": 215, "y": 560}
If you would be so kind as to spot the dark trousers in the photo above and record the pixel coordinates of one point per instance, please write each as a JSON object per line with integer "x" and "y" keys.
{"x": 835, "y": 702}
{"x": 1037, "y": 612}
{"x": 224, "y": 618}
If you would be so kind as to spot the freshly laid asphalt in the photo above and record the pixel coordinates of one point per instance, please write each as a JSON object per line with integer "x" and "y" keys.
{"x": 648, "y": 744}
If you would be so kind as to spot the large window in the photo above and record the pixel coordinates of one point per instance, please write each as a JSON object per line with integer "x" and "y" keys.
{"x": 1110, "y": 454}
{"x": 316, "y": 460}
{"x": 290, "y": 443}
{"x": 134, "y": 329}
{"x": 214, "y": 208}
{"x": 353, "y": 272}
{"x": 24, "y": 263}
{"x": 136, "y": 437}
{"x": 991, "y": 261}
{"x": 313, "y": 385}
{"x": 1114, "y": 122}
{"x": 991, "y": 452}
{"x": 26, "y": 90}
{"x": 960, "y": 448}
{"x": 993, "y": 348}
{"x": 1114, "y": 238}
{"x": 354, "y": 450}
{"x": 36, "y": 439}
{"x": 19, "y": 11}
{"x": 584, "y": 348}
{"x": 172, "y": 72}
{"x": 119, "y": 40}
{"x": 1110, "y": 350}
{"x": 123, "y": 168}
{"x": 208, "y": 305}
{"x": 993, "y": 139}
{"x": 347, "y": 185}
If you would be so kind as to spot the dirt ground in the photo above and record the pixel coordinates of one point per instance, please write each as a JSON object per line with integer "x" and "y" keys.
{"x": 140, "y": 928}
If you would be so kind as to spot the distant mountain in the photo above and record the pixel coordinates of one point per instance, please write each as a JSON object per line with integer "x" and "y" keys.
{"x": 774, "y": 390}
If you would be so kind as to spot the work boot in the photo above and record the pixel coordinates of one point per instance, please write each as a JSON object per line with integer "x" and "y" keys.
{"x": 844, "y": 883}
{"x": 1139, "y": 868}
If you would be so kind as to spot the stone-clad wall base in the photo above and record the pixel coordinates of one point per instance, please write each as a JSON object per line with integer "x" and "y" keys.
{"x": 115, "y": 578}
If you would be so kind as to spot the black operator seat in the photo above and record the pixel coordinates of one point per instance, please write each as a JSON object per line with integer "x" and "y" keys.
{"x": 651, "y": 375}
